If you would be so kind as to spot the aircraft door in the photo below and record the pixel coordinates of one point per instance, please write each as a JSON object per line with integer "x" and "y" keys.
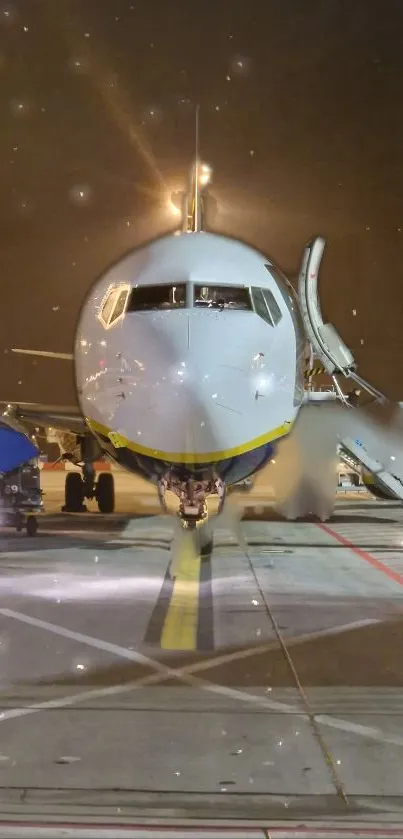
{"x": 325, "y": 340}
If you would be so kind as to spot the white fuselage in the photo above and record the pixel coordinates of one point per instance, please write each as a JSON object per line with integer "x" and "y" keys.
{"x": 194, "y": 384}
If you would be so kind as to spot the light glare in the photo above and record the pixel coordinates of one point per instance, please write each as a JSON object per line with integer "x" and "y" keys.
{"x": 175, "y": 211}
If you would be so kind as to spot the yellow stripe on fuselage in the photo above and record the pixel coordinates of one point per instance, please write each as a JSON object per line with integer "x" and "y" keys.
{"x": 119, "y": 441}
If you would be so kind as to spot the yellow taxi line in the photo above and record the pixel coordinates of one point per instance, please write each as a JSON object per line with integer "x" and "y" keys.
{"x": 179, "y": 631}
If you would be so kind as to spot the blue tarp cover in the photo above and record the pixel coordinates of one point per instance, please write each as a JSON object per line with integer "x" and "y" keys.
{"x": 15, "y": 449}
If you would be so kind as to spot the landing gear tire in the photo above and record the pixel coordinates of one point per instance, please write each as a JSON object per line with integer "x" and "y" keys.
{"x": 206, "y": 550}
{"x": 205, "y": 544}
{"x": 31, "y": 526}
{"x": 73, "y": 494}
{"x": 19, "y": 522}
{"x": 105, "y": 493}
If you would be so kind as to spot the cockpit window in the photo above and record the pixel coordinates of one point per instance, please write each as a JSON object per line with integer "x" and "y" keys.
{"x": 155, "y": 297}
{"x": 272, "y": 305}
{"x": 222, "y": 297}
{"x": 108, "y": 306}
{"x": 266, "y": 305}
{"x": 114, "y": 305}
{"x": 288, "y": 293}
{"x": 119, "y": 306}
{"x": 291, "y": 301}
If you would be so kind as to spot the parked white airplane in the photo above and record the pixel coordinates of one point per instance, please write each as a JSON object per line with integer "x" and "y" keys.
{"x": 189, "y": 363}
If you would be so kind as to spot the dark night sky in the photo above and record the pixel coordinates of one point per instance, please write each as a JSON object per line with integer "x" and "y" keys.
{"x": 301, "y": 119}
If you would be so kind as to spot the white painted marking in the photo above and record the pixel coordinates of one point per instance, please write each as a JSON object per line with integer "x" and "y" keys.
{"x": 360, "y": 730}
{"x": 183, "y": 674}
{"x": 89, "y": 640}
{"x": 226, "y": 658}
{"x": 76, "y": 698}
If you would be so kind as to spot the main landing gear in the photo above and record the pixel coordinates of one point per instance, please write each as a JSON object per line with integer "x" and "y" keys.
{"x": 78, "y": 488}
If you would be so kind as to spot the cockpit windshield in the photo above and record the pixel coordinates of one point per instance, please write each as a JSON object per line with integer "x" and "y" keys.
{"x": 156, "y": 297}
{"x": 222, "y": 297}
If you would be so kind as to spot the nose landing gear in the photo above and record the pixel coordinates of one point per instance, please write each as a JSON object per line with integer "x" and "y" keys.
{"x": 192, "y": 494}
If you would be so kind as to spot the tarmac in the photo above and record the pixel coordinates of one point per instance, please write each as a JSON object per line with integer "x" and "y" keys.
{"x": 263, "y": 683}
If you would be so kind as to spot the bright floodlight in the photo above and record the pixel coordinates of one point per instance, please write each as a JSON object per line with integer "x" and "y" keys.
{"x": 205, "y": 174}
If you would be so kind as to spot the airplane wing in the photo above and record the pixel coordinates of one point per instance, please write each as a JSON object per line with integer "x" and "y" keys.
{"x": 66, "y": 356}
{"x": 35, "y": 414}
{"x": 68, "y": 418}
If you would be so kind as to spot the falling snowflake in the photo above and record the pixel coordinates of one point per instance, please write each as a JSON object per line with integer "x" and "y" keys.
{"x": 19, "y": 107}
{"x": 240, "y": 65}
{"x": 80, "y": 193}
{"x": 77, "y": 64}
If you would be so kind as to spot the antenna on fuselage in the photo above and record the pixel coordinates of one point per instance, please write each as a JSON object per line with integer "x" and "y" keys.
{"x": 193, "y": 200}
{"x": 193, "y": 215}
{"x": 197, "y": 207}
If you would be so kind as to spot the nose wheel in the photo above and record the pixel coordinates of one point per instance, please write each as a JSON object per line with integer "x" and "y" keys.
{"x": 205, "y": 542}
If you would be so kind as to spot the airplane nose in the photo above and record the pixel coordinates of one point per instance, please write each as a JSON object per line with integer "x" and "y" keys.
{"x": 166, "y": 407}
{"x": 189, "y": 392}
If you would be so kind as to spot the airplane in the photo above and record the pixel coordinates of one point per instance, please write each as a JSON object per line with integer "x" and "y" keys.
{"x": 190, "y": 358}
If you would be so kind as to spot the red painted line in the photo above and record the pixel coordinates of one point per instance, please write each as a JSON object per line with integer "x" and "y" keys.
{"x": 283, "y": 830}
{"x": 156, "y": 828}
{"x": 60, "y": 466}
{"x": 53, "y": 467}
{"x": 376, "y": 563}
{"x": 370, "y": 832}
